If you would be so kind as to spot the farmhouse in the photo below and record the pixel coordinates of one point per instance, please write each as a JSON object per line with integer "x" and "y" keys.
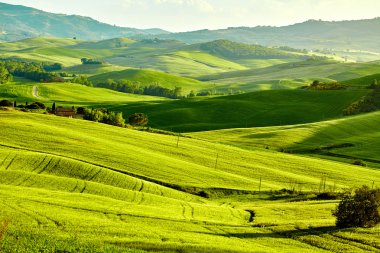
{"x": 65, "y": 112}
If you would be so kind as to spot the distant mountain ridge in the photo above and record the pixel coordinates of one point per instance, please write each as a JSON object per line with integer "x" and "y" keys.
{"x": 312, "y": 34}
{"x": 20, "y": 22}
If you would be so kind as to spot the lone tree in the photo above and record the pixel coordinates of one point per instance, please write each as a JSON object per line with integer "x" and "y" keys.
{"x": 138, "y": 119}
{"x": 359, "y": 210}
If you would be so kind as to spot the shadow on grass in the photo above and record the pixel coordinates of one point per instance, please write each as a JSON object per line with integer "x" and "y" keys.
{"x": 281, "y": 234}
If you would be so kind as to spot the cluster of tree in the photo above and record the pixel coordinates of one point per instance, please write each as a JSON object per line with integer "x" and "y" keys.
{"x": 86, "y": 61}
{"x": 5, "y": 76}
{"x": 6, "y": 103}
{"x": 138, "y": 119}
{"x": 290, "y": 49}
{"x": 360, "y": 209}
{"x": 136, "y": 88}
{"x": 33, "y": 106}
{"x": 317, "y": 85}
{"x": 104, "y": 116}
{"x": 369, "y": 103}
{"x": 52, "y": 66}
{"x": 81, "y": 80}
{"x": 31, "y": 70}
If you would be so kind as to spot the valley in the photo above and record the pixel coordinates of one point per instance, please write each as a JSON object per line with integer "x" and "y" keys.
{"x": 203, "y": 141}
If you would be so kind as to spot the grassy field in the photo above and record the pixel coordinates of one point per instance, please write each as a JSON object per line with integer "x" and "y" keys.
{"x": 294, "y": 74}
{"x": 266, "y": 108}
{"x": 67, "y": 93}
{"x": 249, "y": 184}
{"x": 99, "y": 188}
{"x": 346, "y": 140}
{"x": 150, "y": 77}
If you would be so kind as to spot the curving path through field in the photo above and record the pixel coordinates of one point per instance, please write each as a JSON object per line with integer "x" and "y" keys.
{"x": 35, "y": 92}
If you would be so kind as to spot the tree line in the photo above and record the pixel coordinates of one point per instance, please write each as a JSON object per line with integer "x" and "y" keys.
{"x": 368, "y": 103}
{"x": 154, "y": 89}
{"x": 32, "y": 70}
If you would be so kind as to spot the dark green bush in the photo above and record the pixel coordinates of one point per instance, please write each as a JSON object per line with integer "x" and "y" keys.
{"x": 6, "y": 103}
{"x": 359, "y": 210}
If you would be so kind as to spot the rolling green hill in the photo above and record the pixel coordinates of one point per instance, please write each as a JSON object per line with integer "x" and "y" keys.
{"x": 363, "y": 81}
{"x": 292, "y": 75}
{"x": 67, "y": 93}
{"x": 351, "y": 138}
{"x": 266, "y": 108}
{"x": 235, "y": 51}
{"x": 99, "y": 188}
{"x": 149, "y": 77}
{"x": 24, "y": 22}
{"x": 312, "y": 34}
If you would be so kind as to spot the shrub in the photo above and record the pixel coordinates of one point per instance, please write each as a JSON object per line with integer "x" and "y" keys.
{"x": 6, "y": 103}
{"x": 359, "y": 163}
{"x": 138, "y": 119}
{"x": 36, "y": 105}
{"x": 4, "y": 224}
{"x": 81, "y": 110}
{"x": 359, "y": 210}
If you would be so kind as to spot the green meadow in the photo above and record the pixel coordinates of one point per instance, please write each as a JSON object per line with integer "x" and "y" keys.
{"x": 247, "y": 170}
{"x": 255, "y": 109}
{"x": 99, "y": 186}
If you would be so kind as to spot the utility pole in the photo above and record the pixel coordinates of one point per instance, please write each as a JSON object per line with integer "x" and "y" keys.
{"x": 260, "y": 185}
{"x": 178, "y": 140}
{"x": 216, "y": 161}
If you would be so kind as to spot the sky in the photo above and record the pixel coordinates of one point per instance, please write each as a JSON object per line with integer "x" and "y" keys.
{"x": 188, "y": 15}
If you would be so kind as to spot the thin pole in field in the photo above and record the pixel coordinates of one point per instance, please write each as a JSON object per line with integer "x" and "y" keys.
{"x": 373, "y": 184}
{"x": 178, "y": 140}
{"x": 260, "y": 185}
{"x": 216, "y": 161}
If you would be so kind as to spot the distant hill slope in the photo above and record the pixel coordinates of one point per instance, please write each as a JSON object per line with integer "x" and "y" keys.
{"x": 233, "y": 50}
{"x": 18, "y": 22}
{"x": 312, "y": 34}
{"x": 265, "y": 108}
{"x": 148, "y": 77}
{"x": 66, "y": 93}
{"x": 364, "y": 81}
{"x": 356, "y": 137}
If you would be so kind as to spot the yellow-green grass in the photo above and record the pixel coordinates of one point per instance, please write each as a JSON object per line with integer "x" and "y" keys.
{"x": 74, "y": 185}
{"x": 150, "y": 77}
{"x": 93, "y": 69}
{"x": 38, "y": 42}
{"x": 157, "y": 157}
{"x": 363, "y": 81}
{"x": 106, "y": 44}
{"x": 53, "y": 221}
{"x": 68, "y": 93}
{"x": 264, "y": 108}
{"x": 263, "y": 63}
{"x": 316, "y": 70}
{"x": 359, "y": 132}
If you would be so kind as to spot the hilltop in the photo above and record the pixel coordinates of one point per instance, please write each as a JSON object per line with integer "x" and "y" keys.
{"x": 19, "y": 22}
{"x": 312, "y": 34}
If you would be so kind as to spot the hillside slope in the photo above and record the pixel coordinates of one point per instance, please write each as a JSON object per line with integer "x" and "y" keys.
{"x": 353, "y": 138}
{"x": 266, "y": 108}
{"x": 150, "y": 77}
{"x": 312, "y": 34}
{"x": 24, "y": 22}
{"x": 102, "y": 188}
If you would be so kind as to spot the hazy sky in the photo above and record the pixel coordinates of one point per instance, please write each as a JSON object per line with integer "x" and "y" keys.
{"x": 185, "y": 15}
